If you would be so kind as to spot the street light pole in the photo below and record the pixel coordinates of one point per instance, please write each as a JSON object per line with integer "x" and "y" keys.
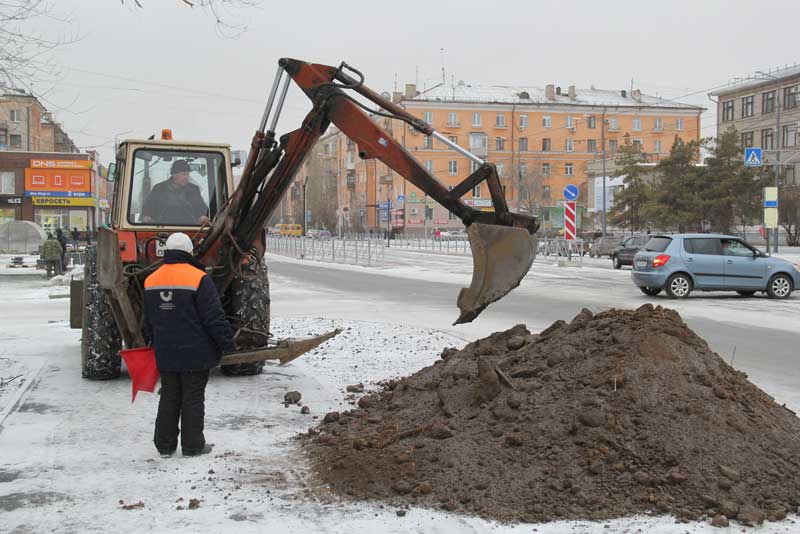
{"x": 603, "y": 146}
{"x": 777, "y": 139}
{"x": 305, "y": 182}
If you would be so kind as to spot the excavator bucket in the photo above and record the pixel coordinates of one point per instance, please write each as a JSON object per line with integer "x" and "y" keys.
{"x": 501, "y": 257}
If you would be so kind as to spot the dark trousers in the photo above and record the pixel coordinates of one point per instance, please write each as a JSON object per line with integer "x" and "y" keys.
{"x": 183, "y": 398}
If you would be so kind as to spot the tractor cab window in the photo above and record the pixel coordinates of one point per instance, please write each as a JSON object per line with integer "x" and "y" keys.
{"x": 176, "y": 187}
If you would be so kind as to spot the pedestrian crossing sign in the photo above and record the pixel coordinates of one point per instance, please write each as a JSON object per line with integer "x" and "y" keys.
{"x": 752, "y": 157}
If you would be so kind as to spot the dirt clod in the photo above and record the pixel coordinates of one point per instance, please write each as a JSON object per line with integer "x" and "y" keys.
{"x": 355, "y": 388}
{"x": 194, "y": 504}
{"x": 620, "y": 413}
{"x": 305, "y": 410}
{"x": 292, "y": 397}
{"x": 719, "y": 521}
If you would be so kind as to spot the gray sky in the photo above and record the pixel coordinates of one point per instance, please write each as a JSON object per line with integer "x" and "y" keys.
{"x": 166, "y": 66}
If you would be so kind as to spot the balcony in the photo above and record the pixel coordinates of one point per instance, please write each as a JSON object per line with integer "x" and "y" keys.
{"x": 454, "y": 124}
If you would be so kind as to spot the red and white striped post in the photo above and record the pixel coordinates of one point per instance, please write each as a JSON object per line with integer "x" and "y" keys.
{"x": 570, "y": 220}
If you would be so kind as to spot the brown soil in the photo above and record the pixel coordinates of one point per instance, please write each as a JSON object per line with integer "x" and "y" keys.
{"x": 610, "y": 415}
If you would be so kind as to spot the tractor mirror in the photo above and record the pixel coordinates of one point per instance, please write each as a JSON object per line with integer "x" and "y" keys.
{"x": 236, "y": 162}
{"x": 112, "y": 170}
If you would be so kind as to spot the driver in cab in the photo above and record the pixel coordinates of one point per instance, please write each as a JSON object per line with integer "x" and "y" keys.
{"x": 176, "y": 201}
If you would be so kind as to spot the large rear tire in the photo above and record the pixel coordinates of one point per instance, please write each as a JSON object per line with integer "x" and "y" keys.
{"x": 101, "y": 341}
{"x": 250, "y": 305}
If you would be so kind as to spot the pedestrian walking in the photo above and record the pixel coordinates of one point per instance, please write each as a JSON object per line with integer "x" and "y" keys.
{"x": 51, "y": 254}
{"x": 76, "y": 235}
{"x": 186, "y": 326}
{"x": 62, "y": 240}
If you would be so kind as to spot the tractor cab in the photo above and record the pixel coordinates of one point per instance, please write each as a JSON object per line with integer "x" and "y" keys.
{"x": 165, "y": 186}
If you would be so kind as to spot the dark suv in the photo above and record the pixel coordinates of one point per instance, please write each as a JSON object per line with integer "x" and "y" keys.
{"x": 628, "y": 249}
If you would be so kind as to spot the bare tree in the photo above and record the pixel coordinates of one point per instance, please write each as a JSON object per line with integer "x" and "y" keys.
{"x": 223, "y": 12}
{"x": 26, "y": 56}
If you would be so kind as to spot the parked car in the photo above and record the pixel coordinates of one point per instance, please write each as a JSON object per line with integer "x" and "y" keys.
{"x": 626, "y": 250}
{"x": 274, "y": 230}
{"x": 604, "y": 246}
{"x": 324, "y": 234}
{"x": 679, "y": 264}
{"x": 312, "y": 233}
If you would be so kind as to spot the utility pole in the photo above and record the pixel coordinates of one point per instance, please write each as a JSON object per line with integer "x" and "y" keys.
{"x": 305, "y": 182}
{"x": 779, "y": 139}
{"x": 603, "y": 147}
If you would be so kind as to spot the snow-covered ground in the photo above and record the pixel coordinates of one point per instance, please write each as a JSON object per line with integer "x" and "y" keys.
{"x": 75, "y": 453}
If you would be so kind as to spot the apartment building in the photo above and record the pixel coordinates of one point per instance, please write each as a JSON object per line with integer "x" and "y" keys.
{"x": 765, "y": 110}
{"x": 26, "y": 125}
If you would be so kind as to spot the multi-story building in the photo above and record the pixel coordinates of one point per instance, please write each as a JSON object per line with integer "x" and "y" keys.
{"x": 539, "y": 139}
{"x": 765, "y": 110}
{"x": 26, "y": 125}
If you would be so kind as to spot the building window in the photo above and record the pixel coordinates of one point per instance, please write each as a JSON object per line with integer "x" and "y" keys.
{"x": 768, "y": 139}
{"x": 523, "y": 144}
{"x": 476, "y": 191}
{"x": 501, "y": 169}
{"x": 613, "y": 145}
{"x": 658, "y": 125}
{"x": 568, "y": 169}
{"x": 452, "y": 166}
{"x": 523, "y": 169}
{"x": 7, "y": 182}
{"x": 791, "y": 97}
{"x": 500, "y": 121}
{"x": 789, "y": 135}
{"x": 679, "y": 124}
{"x": 637, "y": 124}
{"x": 14, "y": 115}
{"x": 15, "y": 141}
{"x": 591, "y": 145}
{"x": 768, "y": 102}
{"x": 453, "y": 138}
{"x": 789, "y": 175}
{"x": 452, "y": 119}
{"x": 523, "y": 121}
{"x": 545, "y": 144}
{"x": 747, "y": 139}
{"x": 546, "y": 192}
{"x": 657, "y": 147}
{"x": 429, "y": 213}
{"x": 727, "y": 111}
{"x": 638, "y": 144}
{"x": 473, "y": 167}
{"x": 3, "y": 139}
{"x": 591, "y": 122}
{"x": 476, "y": 119}
{"x": 570, "y": 121}
{"x": 747, "y": 106}
{"x": 613, "y": 124}
{"x": 478, "y": 141}
{"x": 429, "y": 166}
{"x": 545, "y": 169}
{"x": 499, "y": 143}
{"x": 427, "y": 142}
{"x": 427, "y": 117}
{"x": 568, "y": 145}
{"x": 546, "y": 122}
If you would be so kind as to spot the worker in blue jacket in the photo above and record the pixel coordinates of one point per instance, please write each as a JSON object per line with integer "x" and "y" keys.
{"x": 186, "y": 325}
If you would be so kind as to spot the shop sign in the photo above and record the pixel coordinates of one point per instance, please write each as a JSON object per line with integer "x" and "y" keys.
{"x": 415, "y": 221}
{"x": 11, "y": 200}
{"x": 478, "y": 202}
{"x": 61, "y": 164}
{"x": 62, "y": 201}
{"x": 103, "y": 203}
{"x": 70, "y": 194}
{"x": 440, "y": 221}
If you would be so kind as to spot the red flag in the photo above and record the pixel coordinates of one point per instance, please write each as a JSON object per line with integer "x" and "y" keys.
{"x": 141, "y": 363}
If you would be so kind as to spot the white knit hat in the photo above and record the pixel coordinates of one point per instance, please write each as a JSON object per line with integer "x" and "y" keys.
{"x": 180, "y": 241}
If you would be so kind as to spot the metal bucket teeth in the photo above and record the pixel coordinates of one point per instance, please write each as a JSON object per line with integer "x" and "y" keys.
{"x": 501, "y": 257}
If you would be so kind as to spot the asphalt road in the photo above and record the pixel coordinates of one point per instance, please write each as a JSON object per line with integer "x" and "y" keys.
{"x": 740, "y": 330}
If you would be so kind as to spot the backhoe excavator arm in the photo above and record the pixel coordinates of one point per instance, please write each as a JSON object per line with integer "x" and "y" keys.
{"x": 501, "y": 241}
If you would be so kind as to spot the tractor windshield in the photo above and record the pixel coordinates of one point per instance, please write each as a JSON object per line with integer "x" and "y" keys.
{"x": 176, "y": 187}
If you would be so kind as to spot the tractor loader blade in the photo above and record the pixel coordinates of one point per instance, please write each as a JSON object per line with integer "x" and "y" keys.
{"x": 285, "y": 350}
{"x": 501, "y": 257}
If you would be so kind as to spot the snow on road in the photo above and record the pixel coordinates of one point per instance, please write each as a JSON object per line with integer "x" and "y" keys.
{"x": 74, "y": 453}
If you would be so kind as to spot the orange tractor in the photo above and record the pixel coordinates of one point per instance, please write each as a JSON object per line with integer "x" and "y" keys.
{"x": 227, "y": 224}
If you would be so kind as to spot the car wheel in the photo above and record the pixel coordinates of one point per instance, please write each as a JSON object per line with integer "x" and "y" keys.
{"x": 779, "y": 287}
{"x": 652, "y": 291}
{"x": 746, "y": 293}
{"x": 615, "y": 262}
{"x": 678, "y": 286}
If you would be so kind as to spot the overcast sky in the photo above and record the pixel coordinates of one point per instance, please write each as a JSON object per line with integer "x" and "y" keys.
{"x": 167, "y": 66}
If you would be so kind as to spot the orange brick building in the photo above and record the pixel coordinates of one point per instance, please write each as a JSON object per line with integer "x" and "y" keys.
{"x": 540, "y": 140}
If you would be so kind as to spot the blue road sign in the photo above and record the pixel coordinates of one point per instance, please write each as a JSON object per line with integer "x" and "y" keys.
{"x": 752, "y": 157}
{"x": 308, "y": 216}
{"x": 770, "y": 203}
{"x": 401, "y": 198}
{"x": 571, "y": 192}
{"x": 384, "y": 205}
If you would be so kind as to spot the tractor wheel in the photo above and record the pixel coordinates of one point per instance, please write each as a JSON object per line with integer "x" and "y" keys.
{"x": 101, "y": 341}
{"x": 250, "y": 310}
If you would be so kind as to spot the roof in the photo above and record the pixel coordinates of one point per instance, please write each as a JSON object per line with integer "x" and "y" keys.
{"x": 694, "y": 236}
{"x": 175, "y": 143}
{"x": 510, "y": 94}
{"x": 766, "y": 78}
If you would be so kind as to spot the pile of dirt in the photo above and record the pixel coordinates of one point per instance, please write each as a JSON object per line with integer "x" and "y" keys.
{"x": 609, "y": 415}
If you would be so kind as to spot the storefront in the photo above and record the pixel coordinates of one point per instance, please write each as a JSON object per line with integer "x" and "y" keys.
{"x": 60, "y": 193}
{"x": 59, "y": 212}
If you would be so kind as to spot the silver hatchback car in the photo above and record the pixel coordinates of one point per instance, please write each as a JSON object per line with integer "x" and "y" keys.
{"x": 681, "y": 263}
